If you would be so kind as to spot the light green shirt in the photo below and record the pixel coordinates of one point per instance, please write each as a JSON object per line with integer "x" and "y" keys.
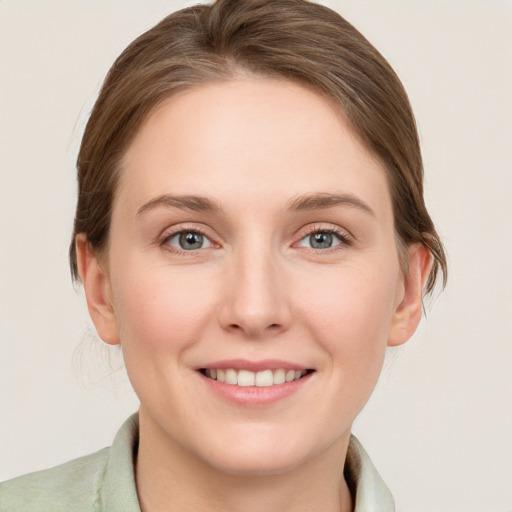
{"x": 105, "y": 481}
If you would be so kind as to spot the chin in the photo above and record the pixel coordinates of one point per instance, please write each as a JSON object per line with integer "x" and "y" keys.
{"x": 261, "y": 452}
{"x": 257, "y": 463}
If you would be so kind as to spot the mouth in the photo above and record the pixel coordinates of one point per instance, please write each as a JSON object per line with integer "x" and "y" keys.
{"x": 247, "y": 378}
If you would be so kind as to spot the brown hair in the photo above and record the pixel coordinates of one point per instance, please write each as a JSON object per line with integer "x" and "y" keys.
{"x": 293, "y": 39}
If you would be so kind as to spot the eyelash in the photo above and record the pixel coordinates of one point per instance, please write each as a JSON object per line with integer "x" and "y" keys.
{"x": 164, "y": 242}
{"x": 344, "y": 238}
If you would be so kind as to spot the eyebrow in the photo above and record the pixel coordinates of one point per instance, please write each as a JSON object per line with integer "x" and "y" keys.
{"x": 193, "y": 203}
{"x": 323, "y": 200}
{"x": 303, "y": 202}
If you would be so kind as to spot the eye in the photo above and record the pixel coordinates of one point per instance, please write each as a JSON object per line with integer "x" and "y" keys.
{"x": 188, "y": 241}
{"x": 321, "y": 239}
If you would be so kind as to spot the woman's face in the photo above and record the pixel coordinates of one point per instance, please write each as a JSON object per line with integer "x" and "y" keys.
{"x": 252, "y": 238}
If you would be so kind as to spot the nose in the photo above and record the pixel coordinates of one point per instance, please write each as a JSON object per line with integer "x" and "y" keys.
{"x": 255, "y": 299}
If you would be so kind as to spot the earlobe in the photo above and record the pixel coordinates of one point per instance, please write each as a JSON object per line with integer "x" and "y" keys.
{"x": 97, "y": 291}
{"x": 407, "y": 315}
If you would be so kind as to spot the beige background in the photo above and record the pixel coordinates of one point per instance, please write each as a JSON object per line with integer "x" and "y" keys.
{"x": 439, "y": 426}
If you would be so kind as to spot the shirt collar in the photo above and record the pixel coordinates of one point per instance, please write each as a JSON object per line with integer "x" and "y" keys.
{"x": 118, "y": 492}
{"x": 369, "y": 491}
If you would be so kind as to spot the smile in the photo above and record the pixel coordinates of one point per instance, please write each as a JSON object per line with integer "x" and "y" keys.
{"x": 247, "y": 378}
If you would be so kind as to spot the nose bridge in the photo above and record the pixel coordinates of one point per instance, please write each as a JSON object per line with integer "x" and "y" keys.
{"x": 255, "y": 300}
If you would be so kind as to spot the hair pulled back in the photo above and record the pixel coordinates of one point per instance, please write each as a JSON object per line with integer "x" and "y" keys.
{"x": 288, "y": 39}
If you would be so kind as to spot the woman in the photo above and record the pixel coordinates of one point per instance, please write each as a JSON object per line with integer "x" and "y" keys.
{"x": 251, "y": 230}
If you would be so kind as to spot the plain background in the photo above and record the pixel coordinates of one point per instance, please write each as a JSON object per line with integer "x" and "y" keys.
{"x": 439, "y": 426}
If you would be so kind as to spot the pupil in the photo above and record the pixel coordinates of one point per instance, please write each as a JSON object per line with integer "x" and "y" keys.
{"x": 191, "y": 240}
{"x": 321, "y": 240}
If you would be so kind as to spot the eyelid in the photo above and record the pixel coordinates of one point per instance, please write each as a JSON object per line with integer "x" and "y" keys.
{"x": 172, "y": 231}
{"x": 345, "y": 237}
{"x": 170, "y": 240}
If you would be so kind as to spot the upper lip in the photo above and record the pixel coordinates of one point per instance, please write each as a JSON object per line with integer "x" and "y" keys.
{"x": 254, "y": 366}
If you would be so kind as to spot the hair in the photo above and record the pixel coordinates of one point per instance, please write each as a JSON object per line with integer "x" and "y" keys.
{"x": 296, "y": 40}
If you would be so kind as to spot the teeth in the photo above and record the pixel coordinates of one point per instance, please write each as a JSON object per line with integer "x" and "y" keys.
{"x": 246, "y": 378}
{"x": 279, "y": 376}
{"x": 264, "y": 378}
{"x": 231, "y": 377}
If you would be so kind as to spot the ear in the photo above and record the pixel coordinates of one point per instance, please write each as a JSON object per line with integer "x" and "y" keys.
{"x": 407, "y": 314}
{"x": 97, "y": 291}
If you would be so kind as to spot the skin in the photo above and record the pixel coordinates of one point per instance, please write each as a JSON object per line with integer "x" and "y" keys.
{"x": 257, "y": 290}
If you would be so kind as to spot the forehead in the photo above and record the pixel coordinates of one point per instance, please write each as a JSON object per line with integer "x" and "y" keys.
{"x": 250, "y": 138}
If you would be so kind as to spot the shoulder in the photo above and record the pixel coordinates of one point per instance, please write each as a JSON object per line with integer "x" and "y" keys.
{"x": 101, "y": 482}
{"x": 71, "y": 487}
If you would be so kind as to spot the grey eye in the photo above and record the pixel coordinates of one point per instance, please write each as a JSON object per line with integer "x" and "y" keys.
{"x": 320, "y": 240}
{"x": 189, "y": 241}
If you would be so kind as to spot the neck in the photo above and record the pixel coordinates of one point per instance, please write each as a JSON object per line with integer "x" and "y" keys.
{"x": 171, "y": 478}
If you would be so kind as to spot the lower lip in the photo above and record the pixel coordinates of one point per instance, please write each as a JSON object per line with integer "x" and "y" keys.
{"x": 254, "y": 396}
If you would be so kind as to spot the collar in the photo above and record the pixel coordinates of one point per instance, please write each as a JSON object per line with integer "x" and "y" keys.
{"x": 119, "y": 492}
{"x": 369, "y": 491}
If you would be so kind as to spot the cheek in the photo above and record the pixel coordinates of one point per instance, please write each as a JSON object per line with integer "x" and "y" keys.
{"x": 158, "y": 310}
{"x": 161, "y": 316}
{"x": 352, "y": 315}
